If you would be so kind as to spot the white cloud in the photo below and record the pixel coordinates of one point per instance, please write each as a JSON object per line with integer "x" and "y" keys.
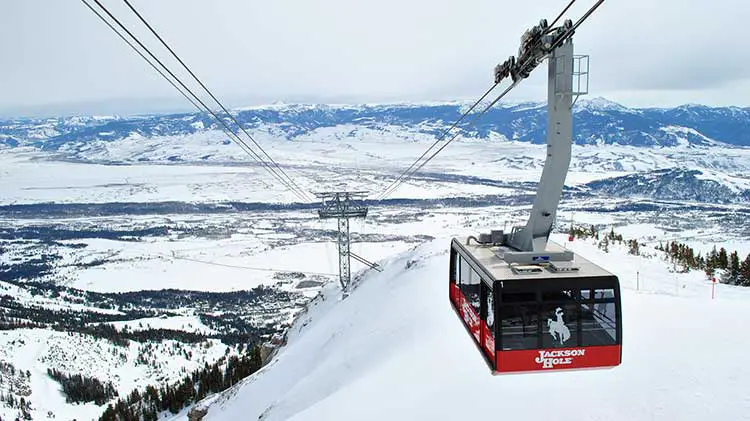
{"x": 359, "y": 51}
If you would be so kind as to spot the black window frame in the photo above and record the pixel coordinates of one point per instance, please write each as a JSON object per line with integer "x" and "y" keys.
{"x": 453, "y": 267}
{"x": 537, "y": 287}
{"x": 459, "y": 257}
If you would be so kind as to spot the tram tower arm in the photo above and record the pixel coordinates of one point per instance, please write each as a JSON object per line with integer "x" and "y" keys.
{"x": 555, "y": 45}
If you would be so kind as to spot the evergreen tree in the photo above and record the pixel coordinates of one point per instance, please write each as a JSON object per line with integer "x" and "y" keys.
{"x": 690, "y": 258}
{"x": 109, "y": 414}
{"x": 744, "y": 273}
{"x": 712, "y": 259}
{"x": 734, "y": 267}
{"x": 723, "y": 262}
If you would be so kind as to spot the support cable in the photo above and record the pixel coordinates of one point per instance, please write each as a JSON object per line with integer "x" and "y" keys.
{"x": 366, "y": 262}
{"x": 551, "y": 25}
{"x": 203, "y": 107}
{"x": 572, "y": 29}
{"x": 474, "y": 118}
{"x": 439, "y": 139}
{"x": 141, "y": 54}
{"x": 411, "y": 170}
{"x": 259, "y": 269}
{"x": 231, "y": 116}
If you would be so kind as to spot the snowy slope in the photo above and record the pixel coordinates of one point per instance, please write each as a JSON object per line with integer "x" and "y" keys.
{"x": 36, "y": 350}
{"x": 394, "y": 349}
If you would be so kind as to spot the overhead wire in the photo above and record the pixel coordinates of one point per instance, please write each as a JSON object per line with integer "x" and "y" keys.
{"x": 439, "y": 139}
{"x": 411, "y": 170}
{"x": 231, "y": 116}
{"x": 203, "y": 107}
{"x": 365, "y": 262}
{"x": 141, "y": 54}
{"x": 285, "y": 179}
{"x": 473, "y": 119}
{"x": 259, "y": 269}
{"x": 560, "y": 15}
{"x": 578, "y": 23}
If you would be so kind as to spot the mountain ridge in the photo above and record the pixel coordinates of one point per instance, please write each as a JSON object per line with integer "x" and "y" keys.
{"x": 596, "y": 121}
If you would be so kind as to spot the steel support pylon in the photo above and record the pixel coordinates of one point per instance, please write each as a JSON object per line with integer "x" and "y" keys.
{"x": 342, "y": 206}
{"x": 345, "y": 272}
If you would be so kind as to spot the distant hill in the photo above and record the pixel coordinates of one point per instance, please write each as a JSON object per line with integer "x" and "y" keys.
{"x": 596, "y": 121}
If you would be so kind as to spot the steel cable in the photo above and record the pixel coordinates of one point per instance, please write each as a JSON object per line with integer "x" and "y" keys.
{"x": 205, "y": 108}
{"x": 231, "y": 116}
{"x": 440, "y": 138}
{"x": 411, "y": 170}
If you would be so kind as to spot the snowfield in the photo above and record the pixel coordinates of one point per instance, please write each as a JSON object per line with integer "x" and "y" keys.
{"x": 394, "y": 349}
{"x": 140, "y": 171}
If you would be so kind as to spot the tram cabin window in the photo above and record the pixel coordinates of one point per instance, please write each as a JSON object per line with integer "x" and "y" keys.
{"x": 455, "y": 264}
{"x": 558, "y": 319}
{"x": 519, "y": 316}
{"x": 490, "y": 318}
{"x": 598, "y": 317}
{"x": 470, "y": 282}
{"x": 559, "y": 324}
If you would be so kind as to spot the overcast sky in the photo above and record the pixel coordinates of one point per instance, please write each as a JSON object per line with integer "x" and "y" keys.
{"x": 56, "y": 55}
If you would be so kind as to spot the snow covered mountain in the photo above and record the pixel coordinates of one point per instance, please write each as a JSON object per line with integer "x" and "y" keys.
{"x": 675, "y": 184}
{"x": 597, "y": 121}
{"x": 395, "y": 350}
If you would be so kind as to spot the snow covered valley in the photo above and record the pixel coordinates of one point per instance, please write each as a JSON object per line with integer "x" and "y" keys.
{"x": 125, "y": 264}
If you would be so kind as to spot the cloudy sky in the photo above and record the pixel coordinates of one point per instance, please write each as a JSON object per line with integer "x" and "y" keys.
{"x": 56, "y": 55}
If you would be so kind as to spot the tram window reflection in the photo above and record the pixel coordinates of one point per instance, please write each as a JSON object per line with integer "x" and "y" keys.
{"x": 598, "y": 324}
{"x": 470, "y": 282}
{"x": 519, "y": 325}
{"x": 490, "y": 311}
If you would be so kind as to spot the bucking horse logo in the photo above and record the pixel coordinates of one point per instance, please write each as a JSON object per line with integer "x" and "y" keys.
{"x": 557, "y": 328}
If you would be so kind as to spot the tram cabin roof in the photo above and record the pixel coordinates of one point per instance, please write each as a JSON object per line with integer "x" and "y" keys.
{"x": 490, "y": 258}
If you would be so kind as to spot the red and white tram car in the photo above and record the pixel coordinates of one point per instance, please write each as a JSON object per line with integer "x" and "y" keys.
{"x": 541, "y": 317}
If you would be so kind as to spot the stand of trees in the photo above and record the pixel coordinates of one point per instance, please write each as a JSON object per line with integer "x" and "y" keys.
{"x": 16, "y": 385}
{"x": 22, "y": 404}
{"x": 609, "y": 238}
{"x": 17, "y": 315}
{"x": 213, "y": 378}
{"x": 79, "y": 388}
{"x": 735, "y": 271}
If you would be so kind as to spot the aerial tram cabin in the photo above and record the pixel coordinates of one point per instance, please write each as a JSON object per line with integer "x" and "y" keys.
{"x": 530, "y": 305}
{"x": 536, "y": 317}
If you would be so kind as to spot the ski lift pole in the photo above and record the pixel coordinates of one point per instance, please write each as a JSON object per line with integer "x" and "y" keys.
{"x": 713, "y": 288}
{"x": 637, "y": 280}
